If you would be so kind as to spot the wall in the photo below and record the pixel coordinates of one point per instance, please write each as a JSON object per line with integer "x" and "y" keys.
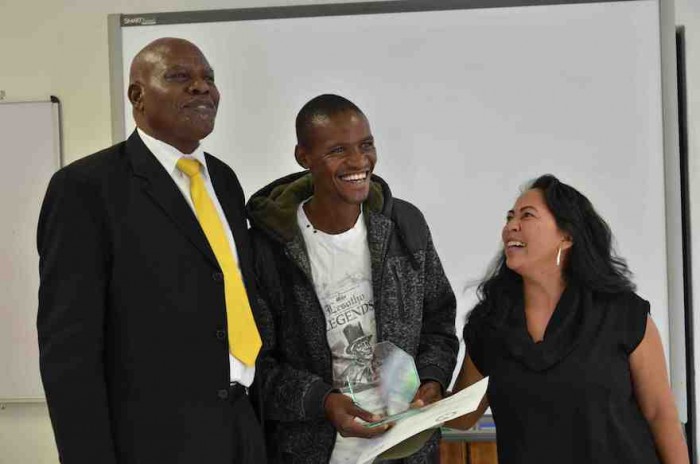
{"x": 60, "y": 48}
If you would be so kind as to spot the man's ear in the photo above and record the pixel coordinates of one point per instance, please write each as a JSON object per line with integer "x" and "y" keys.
{"x": 301, "y": 156}
{"x": 135, "y": 94}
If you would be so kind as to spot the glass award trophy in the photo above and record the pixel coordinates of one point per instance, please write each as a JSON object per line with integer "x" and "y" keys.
{"x": 394, "y": 383}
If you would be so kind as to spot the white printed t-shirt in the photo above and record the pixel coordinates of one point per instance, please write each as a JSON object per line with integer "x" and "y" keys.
{"x": 342, "y": 277}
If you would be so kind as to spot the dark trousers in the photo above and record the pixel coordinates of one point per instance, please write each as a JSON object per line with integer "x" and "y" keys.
{"x": 248, "y": 441}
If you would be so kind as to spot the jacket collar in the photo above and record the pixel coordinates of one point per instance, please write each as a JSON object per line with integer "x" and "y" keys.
{"x": 273, "y": 209}
{"x": 159, "y": 186}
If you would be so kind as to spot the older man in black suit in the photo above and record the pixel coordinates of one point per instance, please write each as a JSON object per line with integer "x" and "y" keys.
{"x": 147, "y": 336}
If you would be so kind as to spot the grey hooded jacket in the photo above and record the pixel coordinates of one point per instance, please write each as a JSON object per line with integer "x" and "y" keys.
{"x": 414, "y": 309}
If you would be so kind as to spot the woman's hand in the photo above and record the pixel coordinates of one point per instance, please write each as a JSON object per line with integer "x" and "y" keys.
{"x": 428, "y": 393}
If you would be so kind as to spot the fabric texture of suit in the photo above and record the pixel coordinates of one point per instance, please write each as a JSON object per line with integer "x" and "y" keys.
{"x": 132, "y": 317}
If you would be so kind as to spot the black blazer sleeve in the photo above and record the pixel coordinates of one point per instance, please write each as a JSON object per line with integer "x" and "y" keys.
{"x": 72, "y": 244}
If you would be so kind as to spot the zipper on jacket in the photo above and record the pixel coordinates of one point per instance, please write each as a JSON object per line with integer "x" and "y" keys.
{"x": 382, "y": 271}
{"x": 399, "y": 292}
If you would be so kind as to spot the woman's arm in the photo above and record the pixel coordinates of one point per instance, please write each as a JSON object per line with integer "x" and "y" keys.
{"x": 468, "y": 376}
{"x": 653, "y": 393}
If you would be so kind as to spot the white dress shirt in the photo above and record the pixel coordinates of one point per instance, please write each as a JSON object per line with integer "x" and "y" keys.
{"x": 168, "y": 155}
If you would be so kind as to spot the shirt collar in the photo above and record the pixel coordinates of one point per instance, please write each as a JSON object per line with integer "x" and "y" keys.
{"x": 168, "y": 155}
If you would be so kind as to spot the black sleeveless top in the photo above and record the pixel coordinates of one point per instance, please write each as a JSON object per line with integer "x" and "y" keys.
{"x": 569, "y": 398}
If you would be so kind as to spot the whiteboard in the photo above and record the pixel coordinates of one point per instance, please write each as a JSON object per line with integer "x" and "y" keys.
{"x": 466, "y": 105}
{"x": 30, "y": 155}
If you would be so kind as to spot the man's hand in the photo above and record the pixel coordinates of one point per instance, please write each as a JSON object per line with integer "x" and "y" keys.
{"x": 429, "y": 392}
{"x": 341, "y": 412}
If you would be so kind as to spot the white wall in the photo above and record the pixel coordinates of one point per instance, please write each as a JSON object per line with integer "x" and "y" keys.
{"x": 60, "y": 47}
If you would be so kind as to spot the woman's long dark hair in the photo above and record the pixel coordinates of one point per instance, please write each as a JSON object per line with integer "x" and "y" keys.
{"x": 591, "y": 263}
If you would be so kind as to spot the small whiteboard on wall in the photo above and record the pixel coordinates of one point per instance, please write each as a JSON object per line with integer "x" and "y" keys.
{"x": 30, "y": 135}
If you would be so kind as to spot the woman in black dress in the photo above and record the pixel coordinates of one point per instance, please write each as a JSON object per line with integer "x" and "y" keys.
{"x": 576, "y": 366}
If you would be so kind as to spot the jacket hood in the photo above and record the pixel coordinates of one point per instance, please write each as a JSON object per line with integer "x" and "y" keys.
{"x": 273, "y": 208}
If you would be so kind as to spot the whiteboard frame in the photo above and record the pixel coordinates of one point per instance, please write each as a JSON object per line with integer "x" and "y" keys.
{"x": 674, "y": 248}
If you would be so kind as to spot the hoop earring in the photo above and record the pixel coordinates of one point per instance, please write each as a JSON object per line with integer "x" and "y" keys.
{"x": 559, "y": 257}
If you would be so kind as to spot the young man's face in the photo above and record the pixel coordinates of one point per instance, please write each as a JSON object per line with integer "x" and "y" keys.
{"x": 339, "y": 151}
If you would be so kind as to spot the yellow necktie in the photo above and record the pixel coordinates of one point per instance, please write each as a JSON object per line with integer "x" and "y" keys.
{"x": 243, "y": 337}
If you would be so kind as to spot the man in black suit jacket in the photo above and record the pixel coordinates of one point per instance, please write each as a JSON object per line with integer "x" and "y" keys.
{"x": 132, "y": 314}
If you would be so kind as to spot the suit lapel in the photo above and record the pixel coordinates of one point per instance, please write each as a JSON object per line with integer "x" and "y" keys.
{"x": 161, "y": 188}
{"x": 232, "y": 203}
{"x": 230, "y": 195}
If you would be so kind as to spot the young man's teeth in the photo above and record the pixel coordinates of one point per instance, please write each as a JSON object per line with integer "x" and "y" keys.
{"x": 361, "y": 176}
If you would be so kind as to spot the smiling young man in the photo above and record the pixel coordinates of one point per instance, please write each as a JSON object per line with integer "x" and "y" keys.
{"x": 342, "y": 266}
{"x": 146, "y": 331}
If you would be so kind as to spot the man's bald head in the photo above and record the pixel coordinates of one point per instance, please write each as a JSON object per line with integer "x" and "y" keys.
{"x": 172, "y": 92}
{"x": 149, "y": 55}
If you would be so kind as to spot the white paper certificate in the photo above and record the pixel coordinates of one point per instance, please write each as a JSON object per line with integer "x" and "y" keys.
{"x": 430, "y": 416}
